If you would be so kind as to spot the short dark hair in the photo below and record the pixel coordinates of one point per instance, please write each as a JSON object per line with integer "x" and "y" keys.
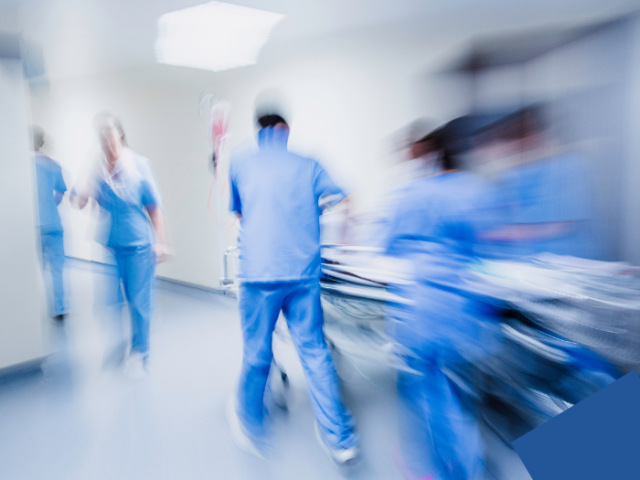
{"x": 443, "y": 140}
{"x": 433, "y": 138}
{"x": 517, "y": 126}
{"x": 449, "y": 150}
{"x": 450, "y": 141}
{"x": 270, "y": 120}
{"x": 532, "y": 120}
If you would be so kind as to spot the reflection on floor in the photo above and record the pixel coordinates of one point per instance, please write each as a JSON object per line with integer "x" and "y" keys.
{"x": 78, "y": 421}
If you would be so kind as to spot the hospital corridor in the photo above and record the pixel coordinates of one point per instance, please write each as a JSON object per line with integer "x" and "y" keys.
{"x": 71, "y": 422}
{"x": 319, "y": 239}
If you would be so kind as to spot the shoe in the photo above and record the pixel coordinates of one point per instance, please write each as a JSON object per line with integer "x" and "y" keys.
{"x": 238, "y": 433}
{"x": 343, "y": 457}
{"x": 135, "y": 367}
{"x": 279, "y": 389}
{"x": 60, "y": 318}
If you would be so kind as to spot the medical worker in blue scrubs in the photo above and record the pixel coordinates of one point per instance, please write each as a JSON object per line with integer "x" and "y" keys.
{"x": 543, "y": 191}
{"x": 277, "y": 195}
{"x": 434, "y": 229}
{"x": 416, "y": 161}
{"x": 51, "y": 188}
{"x": 122, "y": 184}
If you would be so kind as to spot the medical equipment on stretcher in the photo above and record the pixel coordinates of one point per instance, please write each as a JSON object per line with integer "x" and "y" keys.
{"x": 354, "y": 297}
{"x": 566, "y": 327}
{"x": 594, "y": 304}
{"x": 569, "y": 327}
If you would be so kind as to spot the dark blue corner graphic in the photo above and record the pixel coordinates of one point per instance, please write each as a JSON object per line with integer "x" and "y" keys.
{"x": 599, "y": 438}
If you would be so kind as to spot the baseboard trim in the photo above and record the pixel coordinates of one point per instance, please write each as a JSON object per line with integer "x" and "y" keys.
{"x": 195, "y": 286}
{"x": 21, "y": 370}
{"x": 164, "y": 280}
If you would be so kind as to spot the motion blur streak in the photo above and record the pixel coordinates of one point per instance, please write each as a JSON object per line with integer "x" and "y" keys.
{"x": 320, "y": 240}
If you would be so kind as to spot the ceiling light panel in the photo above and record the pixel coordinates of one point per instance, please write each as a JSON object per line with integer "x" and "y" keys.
{"x": 213, "y": 36}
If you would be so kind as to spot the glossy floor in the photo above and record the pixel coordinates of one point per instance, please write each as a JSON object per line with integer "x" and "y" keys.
{"x": 80, "y": 421}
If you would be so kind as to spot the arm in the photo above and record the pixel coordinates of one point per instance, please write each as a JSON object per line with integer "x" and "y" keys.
{"x": 326, "y": 191}
{"x": 78, "y": 201}
{"x": 157, "y": 220}
{"x": 60, "y": 187}
{"x": 346, "y": 227}
{"x": 85, "y": 186}
{"x": 151, "y": 200}
{"x": 235, "y": 204}
{"x": 331, "y": 197}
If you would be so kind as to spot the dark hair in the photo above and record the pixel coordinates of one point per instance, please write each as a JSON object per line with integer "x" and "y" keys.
{"x": 430, "y": 142}
{"x": 449, "y": 154}
{"x": 443, "y": 141}
{"x": 532, "y": 120}
{"x": 38, "y": 137}
{"x": 270, "y": 120}
{"x": 519, "y": 125}
{"x": 452, "y": 141}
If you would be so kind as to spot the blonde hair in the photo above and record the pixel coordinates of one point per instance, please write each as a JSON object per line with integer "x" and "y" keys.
{"x": 106, "y": 120}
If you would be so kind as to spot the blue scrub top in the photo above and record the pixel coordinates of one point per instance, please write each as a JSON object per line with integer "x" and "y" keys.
{"x": 124, "y": 213}
{"x": 278, "y": 193}
{"x": 437, "y": 221}
{"x": 435, "y": 227}
{"x": 551, "y": 190}
{"x": 49, "y": 180}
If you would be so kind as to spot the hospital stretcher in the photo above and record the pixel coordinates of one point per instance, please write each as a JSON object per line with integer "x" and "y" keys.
{"x": 568, "y": 326}
{"x": 592, "y": 303}
{"x": 354, "y": 297}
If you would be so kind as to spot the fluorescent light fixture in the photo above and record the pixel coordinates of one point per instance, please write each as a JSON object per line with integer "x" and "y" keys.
{"x": 213, "y": 36}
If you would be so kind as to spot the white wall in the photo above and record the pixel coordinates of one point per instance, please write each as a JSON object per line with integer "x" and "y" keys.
{"x": 21, "y": 329}
{"x": 631, "y": 172}
{"x": 585, "y": 82}
{"x": 343, "y": 101}
{"x": 162, "y": 123}
{"x": 346, "y": 94}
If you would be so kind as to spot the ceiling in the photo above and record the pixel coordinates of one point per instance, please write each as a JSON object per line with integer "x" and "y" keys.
{"x": 86, "y": 36}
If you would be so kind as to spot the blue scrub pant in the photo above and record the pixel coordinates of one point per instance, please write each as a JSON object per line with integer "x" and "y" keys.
{"x": 136, "y": 267}
{"x": 439, "y": 435}
{"x": 52, "y": 244}
{"x": 260, "y": 305}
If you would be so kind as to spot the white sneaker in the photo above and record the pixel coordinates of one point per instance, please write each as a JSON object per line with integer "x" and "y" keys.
{"x": 343, "y": 457}
{"x": 135, "y": 367}
{"x": 238, "y": 432}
